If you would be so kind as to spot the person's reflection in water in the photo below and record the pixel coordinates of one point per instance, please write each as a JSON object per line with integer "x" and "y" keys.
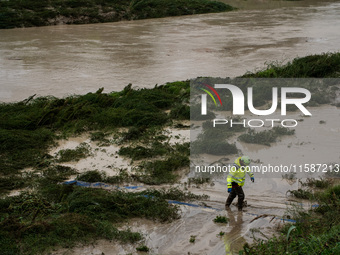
{"x": 233, "y": 238}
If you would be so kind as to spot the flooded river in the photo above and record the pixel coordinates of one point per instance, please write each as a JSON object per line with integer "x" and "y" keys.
{"x": 63, "y": 60}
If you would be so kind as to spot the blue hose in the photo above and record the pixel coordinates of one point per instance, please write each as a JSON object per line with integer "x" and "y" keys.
{"x": 100, "y": 184}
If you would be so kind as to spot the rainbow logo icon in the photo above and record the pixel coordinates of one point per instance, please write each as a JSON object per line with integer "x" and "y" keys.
{"x": 209, "y": 93}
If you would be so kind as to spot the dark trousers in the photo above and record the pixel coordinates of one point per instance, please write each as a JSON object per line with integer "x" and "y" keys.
{"x": 236, "y": 191}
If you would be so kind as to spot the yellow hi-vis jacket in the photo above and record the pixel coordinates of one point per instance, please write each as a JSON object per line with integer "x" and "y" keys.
{"x": 237, "y": 173}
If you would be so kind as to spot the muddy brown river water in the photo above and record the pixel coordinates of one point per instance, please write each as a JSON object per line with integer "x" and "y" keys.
{"x": 76, "y": 59}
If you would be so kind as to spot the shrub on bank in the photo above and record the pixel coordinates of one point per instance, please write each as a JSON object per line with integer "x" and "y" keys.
{"x": 326, "y": 65}
{"x": 28, "y": 13}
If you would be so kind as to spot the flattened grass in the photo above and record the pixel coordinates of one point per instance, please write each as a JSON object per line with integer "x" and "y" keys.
{"x": 164, "y": 170}
{"x": 36, "y": 223}
{"x": 316, "y": 231}
{"x": 265, "y": 137}
{"x": 326, "y": 65}
{"x": 30, "y": 127}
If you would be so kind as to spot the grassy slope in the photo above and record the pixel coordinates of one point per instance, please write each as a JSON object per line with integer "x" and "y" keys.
{"x": 28, "y": 13}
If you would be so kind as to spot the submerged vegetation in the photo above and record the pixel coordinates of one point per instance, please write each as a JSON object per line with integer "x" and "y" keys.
{"x": 28, "y": 13}
{"x": 214, "y": 140}
{"x": 221, "y": 219}
{"x": 73, "y": 214}
{"x": 47, "y": 214}
{"x": 173, "y": 194}
{"x": 31, "y": 126}
{"x": 316, "y": 231}
{"x": 163, "y": 171}
{"x": 322, "y": 183}
{"x": 265, "y": 137}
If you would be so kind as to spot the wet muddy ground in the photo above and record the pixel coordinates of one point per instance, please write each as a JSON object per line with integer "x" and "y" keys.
{"x": 267, "y": 196}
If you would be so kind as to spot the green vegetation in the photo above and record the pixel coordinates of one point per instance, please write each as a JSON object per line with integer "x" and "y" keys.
{"x": 310, "y": 183}
{"x": 173, "y": 194}
{"x": 316, "y": 231}
{"x": 326, "y": 65}
{"x": 157, "y": 9}
{"x": 300, "y": 193}
{"x": 56, "y": 214}
{"x": 199, "y": 180}
{"x": 290, "y": 177}
{"x": 314, "y": 183}
{"x": 141, "y": 134}
{"x": 19, "y": 147}
{"x": 180, "y": 112}
{"x": 64, "y": 215}
{"x": 100, "y": 176}
{"x": 213, "y": 140}
{"x": 49, "y": 175}
{"x": 50, "y": 214}
{"x": 153, "y": 149}
{"x": 67, "y": 155}
{"x": 31, "y": 127}
{"x": 265, "y": 137}
{"x": 143, "y": 248}
{"x": 167, "y": 159}
{"x": 92, "y": 176}
{"x": 192, "y": 239}
{"x": 221, "y": 219}
{"x": 214, "y": 147}
{"x": 195, "y": 113}
{"x": 163, "y": 171}
{"x": 101, "y": 138}
{"x": 28, "y": 13}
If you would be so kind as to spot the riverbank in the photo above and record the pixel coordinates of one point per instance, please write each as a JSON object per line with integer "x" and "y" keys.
{"x": 139, "y": 128}
{"x": 33, "y": 13}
